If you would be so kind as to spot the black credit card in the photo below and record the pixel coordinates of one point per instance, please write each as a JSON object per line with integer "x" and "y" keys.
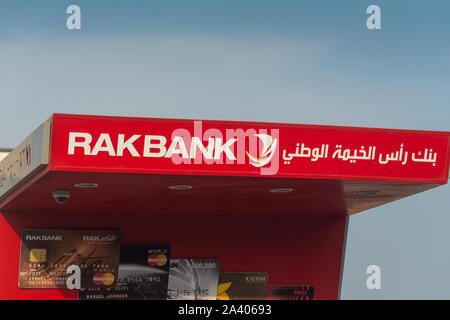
{"x": 143, "y": 275}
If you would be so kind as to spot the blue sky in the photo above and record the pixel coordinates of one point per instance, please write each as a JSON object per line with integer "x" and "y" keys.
{"x": 282, "y": 61}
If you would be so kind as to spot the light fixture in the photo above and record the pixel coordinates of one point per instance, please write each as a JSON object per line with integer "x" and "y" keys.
{"x": 368, "y": 193}
{"x": 86, "y": 185}
{"x": 281, "y": 190}
{"x": 180, "y": 187}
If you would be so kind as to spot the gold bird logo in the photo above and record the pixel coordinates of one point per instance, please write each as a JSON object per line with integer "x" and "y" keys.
{"x": 222, "y": 291}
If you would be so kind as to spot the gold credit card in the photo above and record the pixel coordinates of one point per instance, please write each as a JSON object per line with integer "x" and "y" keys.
{"x": 242, "y": 286}
{"x": 45, "y": 256}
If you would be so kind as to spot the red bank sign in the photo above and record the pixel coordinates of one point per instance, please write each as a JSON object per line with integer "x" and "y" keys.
{"x": 115, "y": 144}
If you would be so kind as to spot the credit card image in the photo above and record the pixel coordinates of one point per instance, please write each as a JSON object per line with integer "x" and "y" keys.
{"x": 290, "y": 292}
{"x": 242, "y": 286}
{"x": 45, "y": 256}
{"x": 143, "y": 275}
{"x": 193, "y": 279}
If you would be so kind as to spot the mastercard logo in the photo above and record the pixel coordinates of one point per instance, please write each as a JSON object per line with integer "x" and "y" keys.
{"x": 103, "y": 278}
{"x": 157, "y": 260}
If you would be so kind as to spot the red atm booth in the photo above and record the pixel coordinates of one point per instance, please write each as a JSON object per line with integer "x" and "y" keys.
{"x": 259, "y": 196}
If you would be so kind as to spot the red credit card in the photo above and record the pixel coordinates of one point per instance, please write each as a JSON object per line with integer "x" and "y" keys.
{"x": 290, "y": 292}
